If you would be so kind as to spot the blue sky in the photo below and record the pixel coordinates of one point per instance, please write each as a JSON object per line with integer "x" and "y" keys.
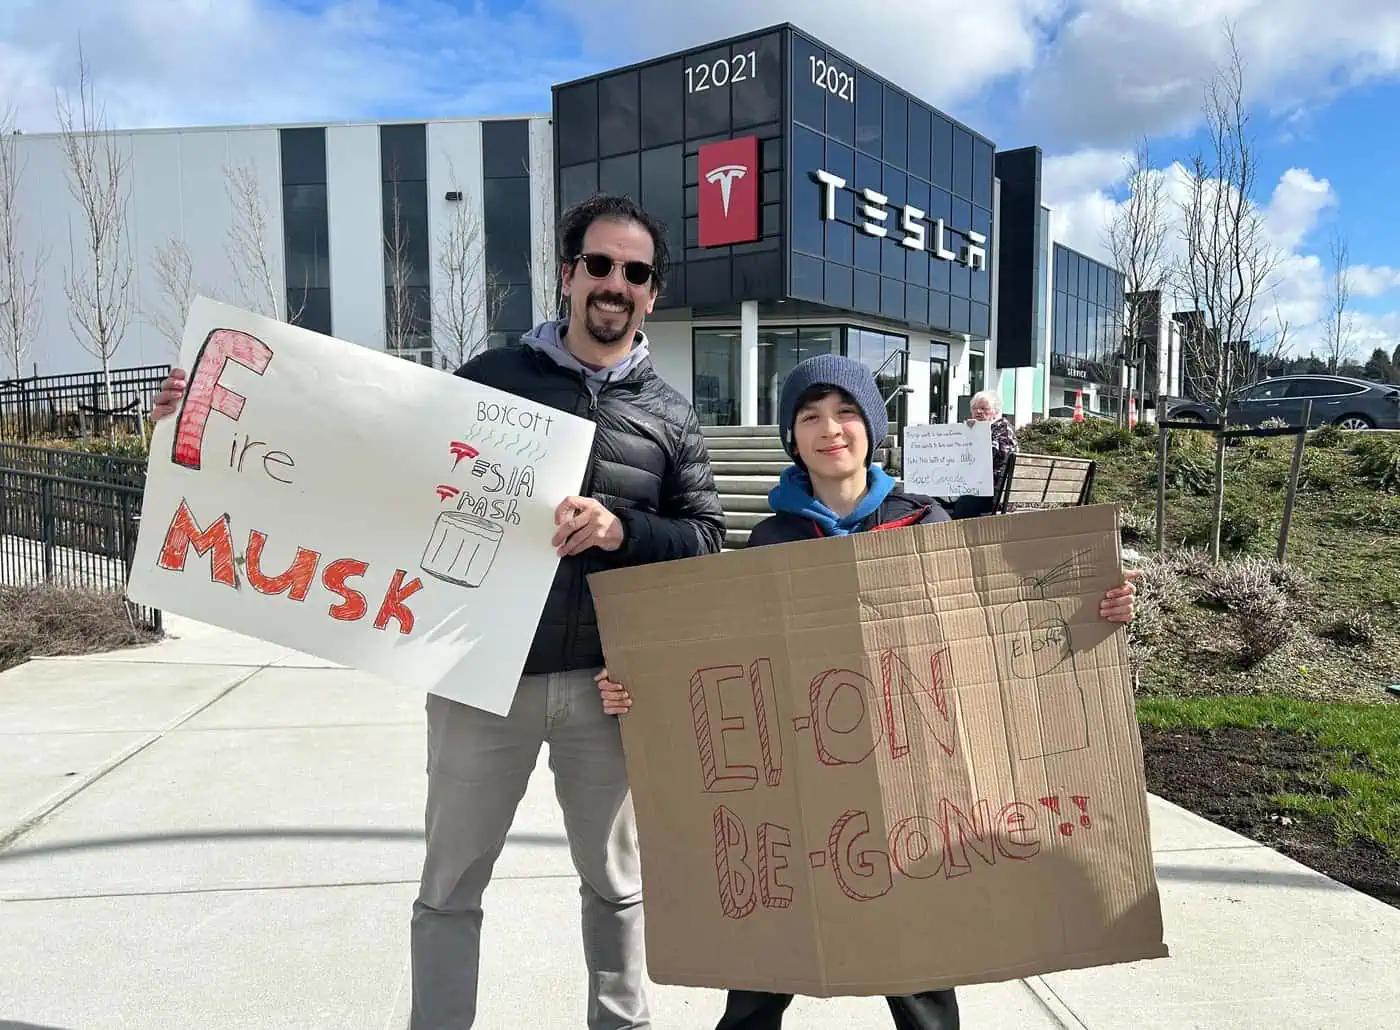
{"x": 1081, "y": 78}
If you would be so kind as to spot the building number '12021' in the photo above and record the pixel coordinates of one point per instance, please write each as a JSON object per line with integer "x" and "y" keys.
{"x": 833, "y": 79}
{"x": 721, "y": 73}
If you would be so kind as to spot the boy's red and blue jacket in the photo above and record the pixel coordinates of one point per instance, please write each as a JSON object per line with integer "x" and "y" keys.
{"x": 800, "y": 516}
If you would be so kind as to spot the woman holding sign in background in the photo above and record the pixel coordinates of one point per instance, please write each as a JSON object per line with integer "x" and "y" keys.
{"x": 830, "y": 412}
{"x": 986, "y": 407}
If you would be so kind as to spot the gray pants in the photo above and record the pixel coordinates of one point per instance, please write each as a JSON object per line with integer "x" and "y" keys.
{"x": 478, "y": 765}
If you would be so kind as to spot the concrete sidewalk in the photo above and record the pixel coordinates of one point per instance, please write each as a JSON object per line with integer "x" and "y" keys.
{"x": 217, "y": 832}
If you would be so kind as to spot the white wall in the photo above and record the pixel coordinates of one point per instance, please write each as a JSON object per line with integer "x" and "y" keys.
{"x": 672, "y": 354}
{"x": 544, "y": 272}
{"x": 454, "y": 164}
{"x": 176, "y": 189}
{"x": 917, "y": 403}
{"x": 354, "y": 215}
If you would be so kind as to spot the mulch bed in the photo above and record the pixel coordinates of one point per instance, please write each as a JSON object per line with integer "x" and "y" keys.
{"x": 1229, "y": 774}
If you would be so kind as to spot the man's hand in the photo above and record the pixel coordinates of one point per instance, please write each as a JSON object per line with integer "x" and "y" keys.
{"x": 1117, "y": 604}
{"x": 616, "y": 700}
{"x": 171, "y": 392}
{"x": 584, "y": 523}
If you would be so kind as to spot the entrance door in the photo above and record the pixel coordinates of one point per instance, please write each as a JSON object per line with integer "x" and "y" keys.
{"x": 938, "y": 389}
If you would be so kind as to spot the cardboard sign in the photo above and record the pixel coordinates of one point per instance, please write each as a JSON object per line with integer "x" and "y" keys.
{"x": 888, "y": 762}
{"x": 355, "y": 506}
{"x": 948, "y": 460}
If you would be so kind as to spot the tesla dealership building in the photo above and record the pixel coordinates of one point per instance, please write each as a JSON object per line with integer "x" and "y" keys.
{"x": 811, "y": 206}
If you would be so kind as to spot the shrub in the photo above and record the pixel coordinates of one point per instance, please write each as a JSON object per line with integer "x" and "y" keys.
{"x": 1325, "y": 470}
{"x": 1274, "y": 423}
{"x": 1378, "y": 461}
{"x": 1112, "y": 438}
{"x": 46, "y": 620}
{"x": 1249, "y": 590}
{"x": 1327, "y": 436}
{"x": 1137, "y": 525}
{"x": 1377, "y": 512}
{"x": 1191, "y": 562}
{"x": 1357, "y": 630}
{"x": 1188, "y": 473}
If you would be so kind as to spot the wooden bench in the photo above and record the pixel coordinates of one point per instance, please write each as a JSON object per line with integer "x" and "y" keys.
{"x": 1045, "y": 481}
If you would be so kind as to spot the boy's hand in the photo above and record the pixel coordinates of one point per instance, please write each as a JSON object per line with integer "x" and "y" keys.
{"x": 616, "y": 700}
{"x": 1117, "y": 604}
{"x": 171, "y": 392}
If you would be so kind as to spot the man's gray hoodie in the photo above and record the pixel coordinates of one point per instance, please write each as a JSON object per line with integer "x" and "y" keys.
{"x": 548, "y": 338}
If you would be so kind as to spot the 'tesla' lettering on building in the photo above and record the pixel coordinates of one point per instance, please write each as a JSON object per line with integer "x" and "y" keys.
{"x": 811, "y": 206}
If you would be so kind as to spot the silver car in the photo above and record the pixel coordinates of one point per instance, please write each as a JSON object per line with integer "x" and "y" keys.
{"x": 1336, "y": 400}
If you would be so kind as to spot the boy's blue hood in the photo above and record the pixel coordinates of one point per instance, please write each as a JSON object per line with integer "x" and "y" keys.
{"x": 793, "y": 496}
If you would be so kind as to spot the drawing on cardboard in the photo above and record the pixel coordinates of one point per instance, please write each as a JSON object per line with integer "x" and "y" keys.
{"x": 1038, "y": 654}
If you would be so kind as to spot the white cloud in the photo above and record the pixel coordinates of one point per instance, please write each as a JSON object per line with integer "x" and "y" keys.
{"x": 1372, "y": 280}
{"x": 1297, "y": 202}
{"x": 183, "y": 62}
{"x": 1121, "y": 68}
{"x": 942, "y": 50}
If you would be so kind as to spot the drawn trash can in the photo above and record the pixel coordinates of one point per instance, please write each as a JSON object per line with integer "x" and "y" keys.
{"x": 462, "y": 548}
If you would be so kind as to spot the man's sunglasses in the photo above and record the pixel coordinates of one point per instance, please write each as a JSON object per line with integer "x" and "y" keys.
{"x": 600, "y": 266}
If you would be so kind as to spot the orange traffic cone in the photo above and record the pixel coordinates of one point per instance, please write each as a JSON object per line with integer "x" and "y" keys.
{"x": 1079, "y": 405}
{"x": 1132, "y": 411}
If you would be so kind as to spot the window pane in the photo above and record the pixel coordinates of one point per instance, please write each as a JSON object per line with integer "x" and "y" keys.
{"x": 896, "y": 128}
{"x": 841, "y": 110}
{"x": 303, "y": 156}
{"x": 962, "y": 162}
{"x": 942, "y": 152}
{"x": 920, "y": 140}
{"x": 310, "y": 309}
{"x": 715, "y": 387}
{"x": 758, "y": 97}
{"x": 982, "y": 173}
{"x": 578, "y": 123}
{"x": 870, "y": 114}
{"x": 707, "y": 110}
{"x": 619, "y": 114}
{"x": 663, "y": 193}
{"x": 304, "y": 226}
{"x": 403, "y": 152}
{"x": 577, "y": 184}
{"x": 620, "y": 176}
{"x": 663, "y": 104}
{"x": 808, "y": 98}
{"x": 405, "y": 209}
{"x": 507, "y": 224}
{"x": 505, "y": 148}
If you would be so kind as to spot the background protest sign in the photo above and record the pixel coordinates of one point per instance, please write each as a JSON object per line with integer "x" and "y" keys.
{"x": 948, "y": 460}
{"x": 356, "y": 506}
{"x": 881, "y": 763}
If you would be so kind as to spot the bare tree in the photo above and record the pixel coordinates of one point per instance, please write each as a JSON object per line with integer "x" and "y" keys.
{"x": 97, "y": 281}
{"x": 20, "y": 313}
{"x": 466, "y": 292}
{"x": 247, "y": 247}
{"x": 1339, "y": 326}
{"x": 174, "y": 271}
{"x": 402, "y": 319}
{"x": 1228, "y": 259}
{"x": 1136, "y": 237}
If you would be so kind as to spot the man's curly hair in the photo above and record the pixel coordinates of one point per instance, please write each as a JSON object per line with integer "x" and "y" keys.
{"x": 575, "y": 222}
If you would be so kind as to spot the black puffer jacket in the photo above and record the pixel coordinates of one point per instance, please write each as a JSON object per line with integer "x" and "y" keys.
{"x": 897, "y": 511}
{"x": 649, "y": 467}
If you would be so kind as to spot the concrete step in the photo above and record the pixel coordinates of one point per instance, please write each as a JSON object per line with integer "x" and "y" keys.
{"x": 749, "y": 454}
{"x": 748, "y": 485}
{"x": 749, "y": 468}
{"x": 733, "y": 503}
{"x": 722, "y": 431}
{"x": 743, "y": 443}
{"x": 743, "y": 519}
{"x": 736, "y": 538}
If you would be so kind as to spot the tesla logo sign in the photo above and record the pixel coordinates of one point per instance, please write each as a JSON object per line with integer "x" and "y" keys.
{"x": 918, "y": 233}
{"x": 729, "y": 192}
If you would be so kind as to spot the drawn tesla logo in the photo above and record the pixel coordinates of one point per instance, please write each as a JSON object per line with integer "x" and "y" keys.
{"x": 725, "y": 176}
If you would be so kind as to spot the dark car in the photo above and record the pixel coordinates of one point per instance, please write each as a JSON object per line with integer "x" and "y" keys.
{"x": 1336, "y": 400}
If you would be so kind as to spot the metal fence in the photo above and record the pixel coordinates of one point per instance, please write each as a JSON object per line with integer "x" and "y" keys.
{"x": 56, "y": 528}
{"x": 76, "y": 405}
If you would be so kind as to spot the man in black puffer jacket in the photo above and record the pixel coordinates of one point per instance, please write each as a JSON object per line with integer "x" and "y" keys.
{"x": 648, "y": 496}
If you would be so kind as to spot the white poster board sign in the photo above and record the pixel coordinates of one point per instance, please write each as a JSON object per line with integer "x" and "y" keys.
{"x": 948, "y": 461}
{"x": 356, "y": 506}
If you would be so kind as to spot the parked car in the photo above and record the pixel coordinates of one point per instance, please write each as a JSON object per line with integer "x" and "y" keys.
{"x": 1336, "y": 400}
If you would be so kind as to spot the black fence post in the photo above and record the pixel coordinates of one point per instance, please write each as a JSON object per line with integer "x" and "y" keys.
{"x": 46, "y": 525}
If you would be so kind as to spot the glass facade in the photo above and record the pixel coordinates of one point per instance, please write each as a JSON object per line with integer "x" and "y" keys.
{"x": 1087, "y": 335}
{"x": 403, "y": 165}
{"x": 716, "y": 390}
{"x": 306, "y": 250}
{"x": 910, "y": 234}
{"x": 505, "y": 154}
{"x": 638, "y": 132}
